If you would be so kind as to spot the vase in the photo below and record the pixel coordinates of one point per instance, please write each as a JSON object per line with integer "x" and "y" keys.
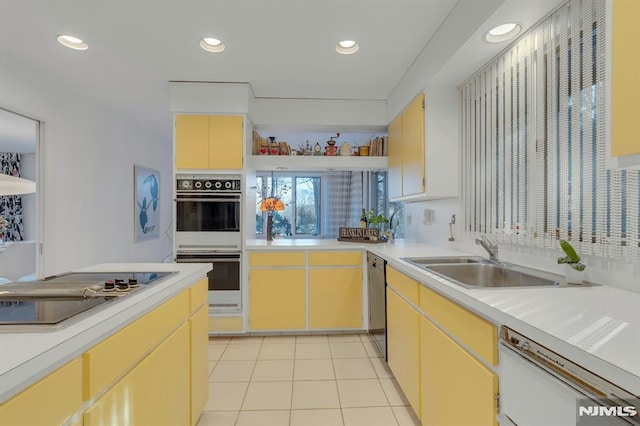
{"x": 269, "y": 227}
{"x": 573, "y": 276}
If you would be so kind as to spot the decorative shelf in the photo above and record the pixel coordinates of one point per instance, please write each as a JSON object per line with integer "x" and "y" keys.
{"x": 317, "y": 163}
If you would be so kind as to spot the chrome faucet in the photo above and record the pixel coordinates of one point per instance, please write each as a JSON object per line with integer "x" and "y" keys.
{"x": 491, "y": 248}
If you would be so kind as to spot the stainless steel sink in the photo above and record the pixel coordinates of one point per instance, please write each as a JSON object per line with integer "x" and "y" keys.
{"x": 424, "y": 261}
{"x": 489, "y": 275}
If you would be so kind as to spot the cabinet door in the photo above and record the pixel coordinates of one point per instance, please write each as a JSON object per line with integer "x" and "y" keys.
{"x": 403, "y": 346}
{"x": 192, "y": 141}
{"x": 456, "y": 388}
{"x": 413, "y": 147}
{"x": 394, "y": 152}
{"x": 335, "y": 298}
{"x": 52, "y": 400}
{"x": 625, "y": 90}
{"x": 225, "y": 142}
{"x": 198, "y": 327}
{"x": 277, "y": 299}
{"x": 155, "y": 392}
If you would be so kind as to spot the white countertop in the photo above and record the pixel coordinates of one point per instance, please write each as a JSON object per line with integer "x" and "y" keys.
{"x": 597, "y": 327}
{"x": 26, "y": 357}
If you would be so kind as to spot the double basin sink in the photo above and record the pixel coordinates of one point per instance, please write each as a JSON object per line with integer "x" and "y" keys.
{"x": 478, "y": 272}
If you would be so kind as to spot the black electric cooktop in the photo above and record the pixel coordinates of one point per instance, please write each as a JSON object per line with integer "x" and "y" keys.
{"x": 52, "y": 312}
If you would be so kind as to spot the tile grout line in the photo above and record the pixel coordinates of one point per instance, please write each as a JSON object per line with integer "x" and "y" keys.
{"x": 248, "y": 383}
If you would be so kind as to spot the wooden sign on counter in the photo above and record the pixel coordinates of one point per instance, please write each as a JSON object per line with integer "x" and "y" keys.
{"x": 360, "y": 235}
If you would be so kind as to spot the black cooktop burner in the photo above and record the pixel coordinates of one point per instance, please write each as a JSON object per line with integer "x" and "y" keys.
{"x": 52, "y": 312}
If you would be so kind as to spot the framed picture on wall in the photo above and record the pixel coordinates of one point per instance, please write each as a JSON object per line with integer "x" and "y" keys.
{"x": 146, "y": 203}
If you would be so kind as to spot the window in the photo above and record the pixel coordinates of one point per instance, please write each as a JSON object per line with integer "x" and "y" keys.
{"x": 302, "y": 197}
{"x": 380, "y": 203}
{"x": 533, "y": 142}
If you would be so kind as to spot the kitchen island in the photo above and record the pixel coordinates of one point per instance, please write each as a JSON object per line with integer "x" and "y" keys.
{"x": 597, "y": 327}
{"x": 105, "y": 354}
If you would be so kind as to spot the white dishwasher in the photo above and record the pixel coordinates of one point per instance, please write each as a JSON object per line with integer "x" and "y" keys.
{"x": 540, "y": 387}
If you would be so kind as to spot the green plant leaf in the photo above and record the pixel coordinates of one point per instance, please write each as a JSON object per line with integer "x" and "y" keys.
{"x": 563, "y": 260}
{"x": 578, "y": 266}
{"x": 570, "y": 252}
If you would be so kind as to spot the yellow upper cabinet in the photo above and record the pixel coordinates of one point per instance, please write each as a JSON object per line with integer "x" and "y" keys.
{"x": 625, "y": 85}
{"x": 225, "y": 142}
{"x": 406, "y": 151}
{"x": 394, "y": 172}
{"x": 413, "y": 178}
{"x": 423, "y": 148}
{"x": 209, "y": 141}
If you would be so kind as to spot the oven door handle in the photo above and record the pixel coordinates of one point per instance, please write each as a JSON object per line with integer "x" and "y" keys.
{"x": 208, "y": 260}
{"x": 209, "y": 200}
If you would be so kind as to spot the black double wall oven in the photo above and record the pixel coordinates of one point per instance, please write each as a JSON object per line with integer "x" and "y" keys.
{"x": 208, "y": 230}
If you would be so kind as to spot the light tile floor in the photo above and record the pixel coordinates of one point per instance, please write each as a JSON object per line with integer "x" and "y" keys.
{"x": 302, "y": 381}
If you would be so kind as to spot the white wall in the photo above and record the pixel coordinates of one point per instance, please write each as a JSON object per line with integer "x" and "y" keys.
{"x": 89, "y": 151}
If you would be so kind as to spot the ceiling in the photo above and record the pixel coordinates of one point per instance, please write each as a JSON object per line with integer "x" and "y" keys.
{"x": 282, "y": 48}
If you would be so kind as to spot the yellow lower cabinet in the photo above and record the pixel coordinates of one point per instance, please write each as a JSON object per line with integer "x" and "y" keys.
{"x": 155, "y": 392}
{"x": 129, "y": 345}
{"x": 198, "y": 326}
{"x": 456, "y": 388}
{"x": 403, "y": 346}
{"x": 277, "y": 299}
{"x": 51, "y": 401}
{"x": 335, "y": 298}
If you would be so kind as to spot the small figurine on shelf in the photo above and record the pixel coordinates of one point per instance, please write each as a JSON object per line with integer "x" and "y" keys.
{"x": 284, "y": 148}
{"x": 264, "y": 147}
{"x": 307, "y": 149}
{"x": 331, "y": 150}
{"x": 274, "y": 146}
{"x": 317, "y": 150}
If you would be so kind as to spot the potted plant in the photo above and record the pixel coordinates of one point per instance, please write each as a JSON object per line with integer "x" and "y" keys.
{"x": 574, "y": 270}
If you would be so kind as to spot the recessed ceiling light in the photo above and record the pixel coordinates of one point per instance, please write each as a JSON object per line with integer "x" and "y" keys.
{"x": 503, "y": 32}
{"x": 347, "y": 47}
{"x": 72, "y": 42}
{"x": 211, "y": 44}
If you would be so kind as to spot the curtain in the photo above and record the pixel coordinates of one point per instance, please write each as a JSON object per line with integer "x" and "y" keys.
{"x": 534, "y": 149}
{"x": 11, "y": 205}
{"x": 342, "y": 201}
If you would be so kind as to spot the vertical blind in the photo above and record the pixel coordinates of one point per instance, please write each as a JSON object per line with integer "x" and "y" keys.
{"x": 533, "y": 142}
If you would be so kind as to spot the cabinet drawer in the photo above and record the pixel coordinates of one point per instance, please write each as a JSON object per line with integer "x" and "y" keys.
{"x": 108, "y": 360}
{"x": 404, "y": 285}
{"x": 335, "y": 258}
{"x": 277, "y": 259}
{"x": 198, "y": 294}
{"x": 475, "y": 332}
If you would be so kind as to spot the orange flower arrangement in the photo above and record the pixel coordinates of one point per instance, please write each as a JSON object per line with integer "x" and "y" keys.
{"x": 271, "y": 204}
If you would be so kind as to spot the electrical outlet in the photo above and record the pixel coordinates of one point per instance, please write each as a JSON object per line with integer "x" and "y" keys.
{"x": 428, "y": 216}
{"x": 408, "y": 219}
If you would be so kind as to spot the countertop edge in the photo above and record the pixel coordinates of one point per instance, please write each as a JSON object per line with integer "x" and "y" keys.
{"x": 96, "y": 328}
